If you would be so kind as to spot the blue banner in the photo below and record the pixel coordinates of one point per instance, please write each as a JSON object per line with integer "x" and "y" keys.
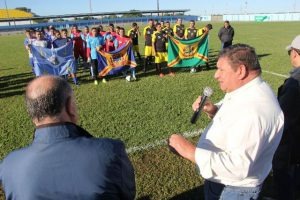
{"x": 55, "y": 61}
{"x": 110, "y": 63}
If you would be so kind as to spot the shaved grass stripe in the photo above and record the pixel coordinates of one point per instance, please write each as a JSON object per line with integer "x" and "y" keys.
{"x": 158, "y": 143}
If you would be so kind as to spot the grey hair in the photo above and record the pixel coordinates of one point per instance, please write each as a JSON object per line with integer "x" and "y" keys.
{"x": 50, "y": 102}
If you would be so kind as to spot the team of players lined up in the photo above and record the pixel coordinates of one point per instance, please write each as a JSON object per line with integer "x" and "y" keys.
{"x": 86, "y": 43}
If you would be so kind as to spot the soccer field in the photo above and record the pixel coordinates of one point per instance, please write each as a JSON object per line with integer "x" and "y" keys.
{"x": 142, "y": 113}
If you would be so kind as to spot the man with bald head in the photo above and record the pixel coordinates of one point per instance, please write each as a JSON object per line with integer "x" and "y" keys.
{"x": 64, "y": 161}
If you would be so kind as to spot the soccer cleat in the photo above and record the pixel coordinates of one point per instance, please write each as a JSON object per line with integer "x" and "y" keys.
{"x": 96, "y": 82}
{"x": 128, "y": 78}
{"x": 104, "y": 80}
{"x": 133, "y": 78}
{"x": 193, "y": 70}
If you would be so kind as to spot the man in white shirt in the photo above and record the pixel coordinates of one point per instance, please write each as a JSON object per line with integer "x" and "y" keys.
{"x": 234, "y": 153}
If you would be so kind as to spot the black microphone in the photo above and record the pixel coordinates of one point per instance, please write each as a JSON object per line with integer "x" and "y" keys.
{"x": 206, "y": 93}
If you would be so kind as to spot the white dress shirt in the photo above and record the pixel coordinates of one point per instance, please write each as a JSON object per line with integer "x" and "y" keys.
{"x": 237, "y": 147}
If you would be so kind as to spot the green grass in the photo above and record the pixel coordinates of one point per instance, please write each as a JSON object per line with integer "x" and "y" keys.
{"x": 144, "y": 111}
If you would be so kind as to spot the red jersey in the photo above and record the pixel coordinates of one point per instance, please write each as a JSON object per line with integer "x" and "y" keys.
{"x": 109, "y": 46}
{"x": 122, "y": 40}
{"x": 77, "y": 38}
{"x": 102, "y": 33}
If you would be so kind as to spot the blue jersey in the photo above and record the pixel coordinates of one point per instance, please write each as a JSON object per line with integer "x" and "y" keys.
{"x": 27, "y": 42}
{"x": 59, "y": 42}
{"x": 93, "y": 43}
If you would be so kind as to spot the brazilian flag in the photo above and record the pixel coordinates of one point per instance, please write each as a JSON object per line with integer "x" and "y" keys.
{"x": 187, "y": 53}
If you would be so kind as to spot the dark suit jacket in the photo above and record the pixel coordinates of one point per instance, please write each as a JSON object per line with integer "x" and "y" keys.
{"x": 66, "y": 162}
{"x": 288, "y": 151}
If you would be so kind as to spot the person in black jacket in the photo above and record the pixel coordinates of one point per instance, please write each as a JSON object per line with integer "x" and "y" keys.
{"x": 226, "y": 35}
{"x": 286, "y": 161}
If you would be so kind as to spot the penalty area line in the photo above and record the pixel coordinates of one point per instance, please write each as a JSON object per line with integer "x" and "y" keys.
{"x": 158, "y": 143}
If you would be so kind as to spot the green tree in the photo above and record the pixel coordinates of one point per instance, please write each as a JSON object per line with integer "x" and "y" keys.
{"x": 133, "y": 13}
{"x": 25, "y": 9}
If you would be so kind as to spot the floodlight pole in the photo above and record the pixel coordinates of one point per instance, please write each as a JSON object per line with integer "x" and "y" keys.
{"x": 90, "y": 1}
{"x": 7, "y": 11}
{"x": 157, "y": 3}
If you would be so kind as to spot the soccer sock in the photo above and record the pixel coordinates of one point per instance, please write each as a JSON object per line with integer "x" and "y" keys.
{"x": 75, "y": 80}
{"x": 139, "y": 56}
{"x": 145, "y": 63}
{"x": 133, "y": 72}
{"x": 92, "y": 71}
{"x": 158, "y": 68}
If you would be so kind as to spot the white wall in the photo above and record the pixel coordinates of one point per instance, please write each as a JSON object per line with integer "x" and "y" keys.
{"x": 264, "y": 17}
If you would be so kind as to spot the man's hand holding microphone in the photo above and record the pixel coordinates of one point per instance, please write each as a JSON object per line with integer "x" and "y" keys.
{"x": 177, "y": 143}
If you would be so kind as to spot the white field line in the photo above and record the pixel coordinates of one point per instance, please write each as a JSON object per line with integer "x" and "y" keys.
{"x": 161, "y": 142}
{"x": 185, "y": 134}
{"x": 276, "y": 74}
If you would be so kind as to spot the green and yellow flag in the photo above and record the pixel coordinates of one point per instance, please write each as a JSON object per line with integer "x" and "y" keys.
{"x": 187, "y": 53}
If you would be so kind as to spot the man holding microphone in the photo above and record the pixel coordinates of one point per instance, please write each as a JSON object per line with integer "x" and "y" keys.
{"x": 234, "y": 153}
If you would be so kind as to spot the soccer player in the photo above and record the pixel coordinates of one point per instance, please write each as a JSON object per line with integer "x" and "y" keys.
{"x": 148, "y": 31}
{"x": 64, "y": 34}
{"x": 159, "y": 49}
{"x": 202, "y": 31}
{"x": 59, "y": 42}
{"x": 94, "y": 42}
{"x": 168, "y": 31}
{"x": 50, "y": 36}
{"x": 76, "y": 36}
{"x": 134, "y": 34}
{"x": 40, "y": 40}
{"x": 162, "y": 23}
{"x": 27, "y": 42}
{"x": 178, "y": 29}
{"x": 100, "y": 30}
{"x": 205, "y": 29}
{"x": 118, "y": 30}
{"x": 191, "y": 33}
{"x": 111, "y": 30}
{"x": 122, "y": 40}
{"x": 111, "y": 43}
{"x": 85, "y": 35}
